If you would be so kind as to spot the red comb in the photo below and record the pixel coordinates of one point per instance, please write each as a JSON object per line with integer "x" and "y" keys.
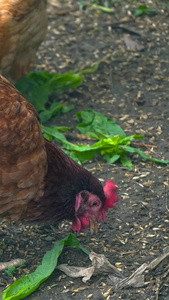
{"x": 110, "y": 194}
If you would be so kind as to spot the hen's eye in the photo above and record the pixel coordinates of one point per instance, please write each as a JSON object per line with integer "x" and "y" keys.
{"x": 94, "y": 203}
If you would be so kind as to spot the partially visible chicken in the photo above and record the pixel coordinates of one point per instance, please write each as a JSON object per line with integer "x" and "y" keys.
{"x": 23, "y": 25}
{"x": 38, "y": 181}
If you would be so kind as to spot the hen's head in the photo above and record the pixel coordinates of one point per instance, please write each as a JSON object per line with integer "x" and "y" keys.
{"x": 89, "y": 209}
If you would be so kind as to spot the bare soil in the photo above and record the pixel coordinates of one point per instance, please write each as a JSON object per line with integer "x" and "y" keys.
{"x": 132, "y": 88}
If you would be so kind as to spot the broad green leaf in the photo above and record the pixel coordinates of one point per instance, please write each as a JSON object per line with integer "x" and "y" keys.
{"x": 27, "y": 284}
{"x": 10, "y": 270}
{"x": 96, "y": 125}
{"x": 112, "y": 159}
{"x": 37, "y": 87}
{"x": 54, "y": 110}
{"x": 111, "y": 148}
{"x": 106, "y": 147}
{"x": 36, "y": 94}
{"x": 126, "y": 162}
{"x": 61, "y": 128}
{"x": 113, "y": 144}
{"x": 56, "y": 83}
{"x": 48, "y": 137}
{"x": 144, "y": 10}
{"x": 66, "y": 109}
{"x": 53, "y": 131}
{"x": 85, "y": 155}
{"x": 72, "y": 156}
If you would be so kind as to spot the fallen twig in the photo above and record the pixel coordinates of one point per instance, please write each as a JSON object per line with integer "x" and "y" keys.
{"x": 143, "y": 145}
{"x": 11, "y": 263}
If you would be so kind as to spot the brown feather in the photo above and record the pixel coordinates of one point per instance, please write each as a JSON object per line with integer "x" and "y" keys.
{"x": 23, "y": 159}
{"x": 23, "y": 26}
{"x": 38, "y": 181}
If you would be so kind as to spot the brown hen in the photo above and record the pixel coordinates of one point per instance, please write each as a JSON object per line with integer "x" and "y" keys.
{"x": 23, "y": 26}
{"x": 38, "y": 181}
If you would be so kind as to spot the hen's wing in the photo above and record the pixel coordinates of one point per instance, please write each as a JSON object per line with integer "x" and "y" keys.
{"x": 23, "y": 159}
{"x": 23, "y": 26}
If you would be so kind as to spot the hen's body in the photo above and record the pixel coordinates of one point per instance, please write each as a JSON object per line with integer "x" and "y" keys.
{"x": 23, "y": 159}
{"x": 23, "y": 26}
{"x": 39, "y": 182}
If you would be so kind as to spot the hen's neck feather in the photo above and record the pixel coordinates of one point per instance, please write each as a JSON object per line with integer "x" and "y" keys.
{"x": 65, "y": 178}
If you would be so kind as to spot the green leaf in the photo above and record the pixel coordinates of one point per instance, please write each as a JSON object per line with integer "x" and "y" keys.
{"x": 111, "y": 148}
{"x": 72, "y": 156}
{"x": 61, "y": 128}
{"x": 10, "y": 270}
{"x": 112, "y": 159}
{"x": 48, "y": 137}
{"x": 96, "y": 125}
{"x": 36, "y": 94}
{"x": 55, "y": 110}
{"x": 27, "y": 284}
{"x": 54, "y": 132}
{"x": 126, "y": 162}
{"x": 56, "y": 83}
{"x": 107, "y": 147}
{"x": 144, "y": 10}
{"x": 113, "y": 144}
{"x": 37, "y": 87}
{"x": 144, "y": 156}
{"x": 67, "y": 109}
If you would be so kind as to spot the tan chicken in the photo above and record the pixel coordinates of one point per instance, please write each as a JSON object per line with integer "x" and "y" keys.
{"x": 38, "y": 181}
{"x": 23, "y": 25}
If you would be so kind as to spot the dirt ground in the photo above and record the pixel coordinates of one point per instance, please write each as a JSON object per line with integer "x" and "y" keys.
{"x": 132, "y": 88}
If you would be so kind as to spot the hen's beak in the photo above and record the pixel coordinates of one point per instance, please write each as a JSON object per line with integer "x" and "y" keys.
{"x": 94, "y": 227}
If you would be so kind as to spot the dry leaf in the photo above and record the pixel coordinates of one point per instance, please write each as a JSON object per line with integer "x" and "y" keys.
{"x": 101, "y": 266}
{"x": 132, "y": 45}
